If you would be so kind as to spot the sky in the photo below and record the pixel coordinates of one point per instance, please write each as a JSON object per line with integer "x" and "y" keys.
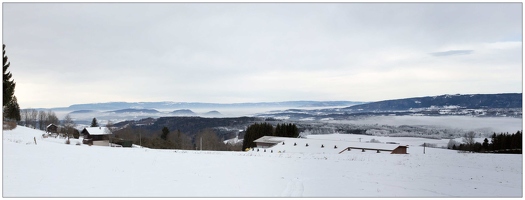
{"x": 72, "y": 53}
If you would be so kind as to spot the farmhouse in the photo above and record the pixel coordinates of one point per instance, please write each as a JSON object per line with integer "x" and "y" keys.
{"x": 51, "y": 128}
{"x": 304, "y": 145}
{"x": 96, "y": 136}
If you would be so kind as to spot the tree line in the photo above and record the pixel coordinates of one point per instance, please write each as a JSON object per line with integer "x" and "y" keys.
{"x": 258, "y": 130}
{"x": 499, "y": 143}
{"x": 167, "y": 139}
{"x": 38, "y": 119}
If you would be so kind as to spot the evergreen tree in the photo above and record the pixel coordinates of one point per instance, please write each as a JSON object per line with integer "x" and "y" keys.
{"x": 486, "y": 144}
{"x": 165, "y": 132}
{"x": 9, "y": 85}
{"x": 94, "y": 122}
{"x": 256, "y": 131}
{"x": 286, "y": 130}
{"x": 12, "y": 110}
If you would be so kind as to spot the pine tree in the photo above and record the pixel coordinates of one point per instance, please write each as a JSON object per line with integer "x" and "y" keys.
{"x": 256, "y": 131}
{"x": 486, "y": 144}
{"x": 9, "y": 85}
{"x": 12, "y": 110}
{"x": 94, "y": 122}
{"x": 165, "y": 132}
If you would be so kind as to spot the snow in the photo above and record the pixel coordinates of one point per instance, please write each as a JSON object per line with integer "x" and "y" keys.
{"x": 98, "y": 131}
{"x": 53, "y": 169}
{"x": 321, "y": 144}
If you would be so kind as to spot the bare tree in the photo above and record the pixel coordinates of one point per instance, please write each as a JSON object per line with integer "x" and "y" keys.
{"x": 451, "y": 143}
{"x": 24, "y": 115}
{"x": 468, "y": 139}
{"x": 33, "y": 113}
{"x": 110, "y": 126}
{"x": 69, "y": 125}
{"x": 210, "y": 141}
{"x": 42, "y": 119}
{"x": 52, "y": 118}
{"x": 180, "y": 140}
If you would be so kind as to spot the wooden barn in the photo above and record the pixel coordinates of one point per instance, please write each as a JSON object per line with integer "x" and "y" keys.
{"x": 96, "y": 136}
{"x": 51, "y": 128}
{"x": 400, "y": 150}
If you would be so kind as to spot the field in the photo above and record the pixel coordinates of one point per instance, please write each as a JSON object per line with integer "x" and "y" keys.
{"x": 53, "y": 169}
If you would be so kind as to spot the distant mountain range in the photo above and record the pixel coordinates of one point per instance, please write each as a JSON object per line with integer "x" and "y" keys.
{"x": 167, "y": 105}
{"x": 508, "y": 104}
{"x": 484, "y": 105}
{"x": 469, "y": 101}
{"x": 132, "y": 110}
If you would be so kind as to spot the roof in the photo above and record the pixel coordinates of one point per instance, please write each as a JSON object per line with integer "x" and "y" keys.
{"x": 298, "y": 145}
{"x": 269, "y": 139}
{"x": 50, "y": 125}
{"x": 98, "y": 131}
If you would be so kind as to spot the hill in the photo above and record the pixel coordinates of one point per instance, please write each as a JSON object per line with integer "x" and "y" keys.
{"x": 469, "y": 101}
{"x": 82, "y": 111}
{"x": 184, "y": 112}
{"x": 131, "y": 110}
{"x": 168, "y": 105}
{"x": 225, "y": 128}
{"x": 213, "y": 113}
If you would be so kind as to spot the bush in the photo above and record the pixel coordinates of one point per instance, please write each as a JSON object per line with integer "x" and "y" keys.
{"x": 76, "y": 134}
{"x": 67, "y": 142}
{"x": 374, "y": 141}
{"x": 9, "y": 124}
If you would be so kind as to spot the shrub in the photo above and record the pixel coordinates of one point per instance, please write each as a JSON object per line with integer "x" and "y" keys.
{"x": 374, "y": 141}
{"x": 67, "y": 142}
{"x": 9, "y": 124}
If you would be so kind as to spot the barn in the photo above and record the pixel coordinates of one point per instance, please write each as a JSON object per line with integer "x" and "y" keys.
{"x": 96, "y": 136}
{"x": 306, "y": 145}
{"x": 267, "y": 141}
{"x": 51, "y": 128}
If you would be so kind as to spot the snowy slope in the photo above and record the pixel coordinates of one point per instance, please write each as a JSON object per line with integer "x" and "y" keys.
{"x": 53, "y": 169}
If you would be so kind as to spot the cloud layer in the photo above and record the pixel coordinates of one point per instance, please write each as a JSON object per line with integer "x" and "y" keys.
{"x": 67, "y": 53}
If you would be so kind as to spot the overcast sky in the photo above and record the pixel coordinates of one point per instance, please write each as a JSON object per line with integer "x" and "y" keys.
{"x": 71, "y": 53}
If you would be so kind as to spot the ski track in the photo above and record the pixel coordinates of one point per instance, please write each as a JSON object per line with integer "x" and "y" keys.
{"x": 294, "y": 188}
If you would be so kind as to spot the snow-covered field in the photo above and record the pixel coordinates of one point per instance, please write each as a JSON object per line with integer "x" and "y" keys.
{"x": 490, "y": 124}
{"x": 53, "y": 169}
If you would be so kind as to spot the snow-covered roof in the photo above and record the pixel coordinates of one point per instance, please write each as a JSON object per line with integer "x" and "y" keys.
{"x": 298, "y": 145}
{"x": 269, "y": 139}
{"x": 98, "y": 131}
{"x": 50, "y": 125}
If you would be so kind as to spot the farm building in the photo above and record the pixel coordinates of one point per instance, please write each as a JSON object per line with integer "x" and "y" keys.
{"x": 51, "y": 128}
{"x": 304, "y": 145}
{"x": 267, "y": 141}
{"x": 379, "y": 149}
{"x": 96, "y": 136}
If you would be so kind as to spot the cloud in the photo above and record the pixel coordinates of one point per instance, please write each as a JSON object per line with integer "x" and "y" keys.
{"x": 452, "y": 52}
{"x": 232, "y": 52}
